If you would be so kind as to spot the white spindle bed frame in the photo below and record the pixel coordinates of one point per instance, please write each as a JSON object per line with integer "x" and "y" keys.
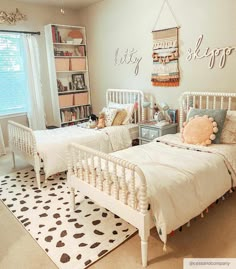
{"x": 103, "y": 177}
{"x": 22, "y": 140}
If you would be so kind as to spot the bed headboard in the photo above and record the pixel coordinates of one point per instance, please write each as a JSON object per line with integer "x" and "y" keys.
{"x": 125, "y": 96}
{"x": 205, "y": 100}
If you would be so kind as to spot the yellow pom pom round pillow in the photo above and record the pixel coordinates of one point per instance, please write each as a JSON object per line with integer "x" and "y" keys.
{"x": 217, "y": 114}
{"x": 199, "y": 130}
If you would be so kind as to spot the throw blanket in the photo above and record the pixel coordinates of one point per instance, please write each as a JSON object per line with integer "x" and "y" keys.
{"x": 119, "y": 137}
{"x": 181, "y": 183}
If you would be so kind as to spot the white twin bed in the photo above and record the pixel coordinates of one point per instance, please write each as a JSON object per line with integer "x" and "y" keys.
{"x": 163, "y": 184}
{"x": 49, "y": 147}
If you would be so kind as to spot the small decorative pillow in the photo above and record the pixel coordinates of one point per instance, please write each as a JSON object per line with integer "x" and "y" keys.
{"x": 110, "y": 114}
{"x": 217, "y": 114}
{"x": 199, "y": 130}
{"x": 128, "y": 107}
{"x": 228, "y": 135}
{"x": 120, "y": 116}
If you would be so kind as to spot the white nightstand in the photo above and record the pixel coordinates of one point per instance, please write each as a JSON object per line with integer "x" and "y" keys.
{"x": 149, "y": 131}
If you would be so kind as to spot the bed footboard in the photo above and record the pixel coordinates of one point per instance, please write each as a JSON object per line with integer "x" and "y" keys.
{"x": 22, "y": 141}
{"x": 113, "y": 183}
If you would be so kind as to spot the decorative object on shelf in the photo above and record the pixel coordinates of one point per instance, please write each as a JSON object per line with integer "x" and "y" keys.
{"x": 165, "y": 53}
{"x": 60, "y": 86}
{"x": 80, "y": 50}
{"x": 76, "y": 36}
{"x": 222, "y": 53}
{"x": 78, "y": 81}
{"x": 11, "y": 18}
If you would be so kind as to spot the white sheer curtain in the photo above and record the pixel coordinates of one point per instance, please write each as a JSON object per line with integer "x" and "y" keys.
{"x": 36, "y": 115}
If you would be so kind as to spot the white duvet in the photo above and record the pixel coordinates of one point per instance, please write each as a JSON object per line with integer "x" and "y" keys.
{"x": 181, "y": 183}
{"x": 52, "y": 144}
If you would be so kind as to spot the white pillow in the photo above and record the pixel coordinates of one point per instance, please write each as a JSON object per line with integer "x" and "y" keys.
{"x": 110, "y": 114}
{"x": 228, "y": 135}
{"x": 128, "y": 107}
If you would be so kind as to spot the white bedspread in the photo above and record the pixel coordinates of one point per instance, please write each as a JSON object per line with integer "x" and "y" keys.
{"x": 181, "y": 183}
{"x": 52, "y": 144}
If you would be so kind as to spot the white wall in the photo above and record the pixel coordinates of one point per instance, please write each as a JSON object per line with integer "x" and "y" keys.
{"x": 37, "y": 17}
{"x": 128, "y": 24}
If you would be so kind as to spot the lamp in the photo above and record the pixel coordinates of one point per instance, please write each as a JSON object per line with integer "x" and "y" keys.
{"x": 146, "y": 104}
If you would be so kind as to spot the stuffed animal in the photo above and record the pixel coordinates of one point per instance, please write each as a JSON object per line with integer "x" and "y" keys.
{"x": 93, "y": 117}
{"x": 101, "y": 120}
{"x": 93, "y": 121}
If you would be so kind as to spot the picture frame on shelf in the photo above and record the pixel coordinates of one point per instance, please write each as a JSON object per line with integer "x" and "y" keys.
{"x": 78, "y": 82}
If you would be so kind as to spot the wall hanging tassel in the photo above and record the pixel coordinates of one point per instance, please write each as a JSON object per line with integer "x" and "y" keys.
{"x": 202, "y": 215}
{"x": 188, "y": 224}
{"x": 172, "y": 233}
{"x": 223, "y": 198}
{"x": 207, "y": 210}
{"x": 164, "y": 247}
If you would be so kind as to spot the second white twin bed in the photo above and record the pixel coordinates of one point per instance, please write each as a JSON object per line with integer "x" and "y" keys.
{"x": 49, "y": 147}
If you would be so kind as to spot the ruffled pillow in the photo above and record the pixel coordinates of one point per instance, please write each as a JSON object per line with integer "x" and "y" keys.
{"x": 228, "y": 135}
{"x": 128, "y": 107}
{"x": 199, "y": 130}
{"x": 110, "y": 114}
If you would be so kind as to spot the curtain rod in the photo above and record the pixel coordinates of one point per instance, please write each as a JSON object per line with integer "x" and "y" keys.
{"x": 21, "y": 32}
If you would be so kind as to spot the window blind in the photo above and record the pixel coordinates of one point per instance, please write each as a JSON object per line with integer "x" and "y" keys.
{"x": 13, "y": 75}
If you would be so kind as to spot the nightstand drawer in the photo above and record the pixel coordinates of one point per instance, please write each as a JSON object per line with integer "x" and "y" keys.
{"x": 149, "y": 134}
{"x": 149, "y": 131}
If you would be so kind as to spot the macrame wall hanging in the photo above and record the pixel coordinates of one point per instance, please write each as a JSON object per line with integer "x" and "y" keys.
{"x": 165, "y": 54}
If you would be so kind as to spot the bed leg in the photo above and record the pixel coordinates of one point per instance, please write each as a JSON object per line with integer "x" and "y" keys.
{"x": 72, "y": 196}
{"x": 144, "y": 252}
{"x": 13, "y": 159}
{"x": 144, "y": 245}
{"x": 37, "y": 172}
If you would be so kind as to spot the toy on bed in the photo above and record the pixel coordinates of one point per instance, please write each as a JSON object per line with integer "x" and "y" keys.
{"x": 101, "y": 121}
{"x": 93, "y": 120}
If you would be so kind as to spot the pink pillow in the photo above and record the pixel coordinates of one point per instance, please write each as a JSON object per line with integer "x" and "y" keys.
{"x": 199, "y": 130}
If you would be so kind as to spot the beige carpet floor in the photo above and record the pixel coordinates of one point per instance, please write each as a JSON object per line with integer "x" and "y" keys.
{"x": 214, "y": 236}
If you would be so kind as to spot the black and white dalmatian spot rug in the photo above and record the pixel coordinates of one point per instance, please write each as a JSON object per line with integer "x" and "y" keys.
{"x": 72, "y": 239}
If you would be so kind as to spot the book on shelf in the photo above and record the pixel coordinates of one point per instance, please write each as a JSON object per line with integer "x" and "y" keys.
{"x": 76, "y": 113}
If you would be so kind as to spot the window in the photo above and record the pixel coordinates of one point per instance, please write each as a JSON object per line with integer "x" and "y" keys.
{"x": 13, "y": 75}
